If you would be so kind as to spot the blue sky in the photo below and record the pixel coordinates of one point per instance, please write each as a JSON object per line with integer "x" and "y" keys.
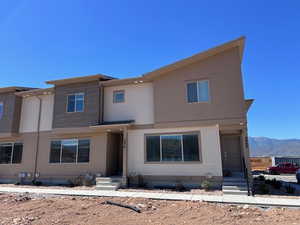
{"x": 50, "y": 39}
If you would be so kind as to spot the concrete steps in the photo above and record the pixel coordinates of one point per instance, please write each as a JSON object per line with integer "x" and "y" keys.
{"x": 234, "y": 186}
{"x": 108, "y": 183}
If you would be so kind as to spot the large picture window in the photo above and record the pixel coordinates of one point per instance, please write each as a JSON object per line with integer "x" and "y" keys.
{"x": 75, "y": 102}
{"x": 198, "y": 91}
{"x": 172, "y": 147}
{"x": 11, "y": 153}
{"x": 70, "y": 151}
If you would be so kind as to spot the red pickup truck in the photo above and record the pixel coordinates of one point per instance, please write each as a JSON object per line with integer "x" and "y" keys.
{"x": 283, "y": 168}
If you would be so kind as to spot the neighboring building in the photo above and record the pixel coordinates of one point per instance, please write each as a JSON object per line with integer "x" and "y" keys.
{"x": 184, "y": 122}
{"x": 260, "y": 163}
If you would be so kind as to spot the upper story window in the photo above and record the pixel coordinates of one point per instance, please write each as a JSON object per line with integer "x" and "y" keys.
{"x": 119, "y": 96}
{"x": 75, "y": 102}
{"x": 1, "y": 110}
{"x": 198, "y": 91}
{"x": 11, "y": 153}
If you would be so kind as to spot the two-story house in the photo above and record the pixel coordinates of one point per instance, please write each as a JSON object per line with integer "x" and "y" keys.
{"x": 185, "y": 122}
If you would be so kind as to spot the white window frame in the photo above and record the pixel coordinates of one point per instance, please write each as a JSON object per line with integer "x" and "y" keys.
{"x": 75, "y": 107}
{"x": 114, "y": 94}
{"x": 181, "y": 142}
{"x": 198, "y": 96}
{"x": 2, "y": 106}
{"x": 12, "y": 152}
{"x": 77, "y": 146}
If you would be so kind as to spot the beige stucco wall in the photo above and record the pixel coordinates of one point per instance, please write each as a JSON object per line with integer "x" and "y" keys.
{"x": 210, "y": 150}
{"x": 97, "y": 164}
{"x": 223, "y": 71}
{"x": 8, "y": 171}
{"x": 138, "y": 104}
{"x": 30, "y": 113}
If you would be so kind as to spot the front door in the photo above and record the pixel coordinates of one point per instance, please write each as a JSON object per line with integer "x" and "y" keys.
{"x": 231, "y": 153}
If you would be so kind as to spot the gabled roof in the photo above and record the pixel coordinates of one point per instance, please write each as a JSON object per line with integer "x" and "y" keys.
{"x": 80, "y": 79}
{"x": 14, "y": 89}
{"x": 200, "y": 56}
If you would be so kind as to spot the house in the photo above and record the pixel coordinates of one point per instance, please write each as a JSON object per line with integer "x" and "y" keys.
{"x": 185, "y": 122}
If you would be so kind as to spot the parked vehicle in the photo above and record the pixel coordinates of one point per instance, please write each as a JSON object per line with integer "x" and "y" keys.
{"x": 283, "y": 168}
{"x": 298, "y": 176}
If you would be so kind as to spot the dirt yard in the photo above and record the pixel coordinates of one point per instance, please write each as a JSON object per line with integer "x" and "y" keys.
{"x": 18, "y": 209}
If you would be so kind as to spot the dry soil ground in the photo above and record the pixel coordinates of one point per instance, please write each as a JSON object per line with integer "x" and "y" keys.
{"x": 18, "y": 209}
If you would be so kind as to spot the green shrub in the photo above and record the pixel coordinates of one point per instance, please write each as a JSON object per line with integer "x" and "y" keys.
{"x": 261, "y": 178}
{"x": 276, "y": 184}
{"x": 267, "y": 181}
{"x": 264, "y": 189}
{"x": 290, "y": 189}
{"x": 37, "y": 183}
{"x": 207, "y": 185}
{"x": 179, "y": 187}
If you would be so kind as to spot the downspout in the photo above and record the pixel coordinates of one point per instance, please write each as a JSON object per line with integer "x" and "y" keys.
{"x": 38, "y": 139}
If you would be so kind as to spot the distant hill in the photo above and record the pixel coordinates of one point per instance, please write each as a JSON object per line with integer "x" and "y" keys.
{"x": 263, "y": 146}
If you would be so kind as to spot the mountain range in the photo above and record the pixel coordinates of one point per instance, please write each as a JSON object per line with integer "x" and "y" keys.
{"x": 263, "y": 146}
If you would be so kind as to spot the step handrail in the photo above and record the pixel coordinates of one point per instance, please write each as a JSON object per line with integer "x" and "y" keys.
{"x": 246, "y": 176}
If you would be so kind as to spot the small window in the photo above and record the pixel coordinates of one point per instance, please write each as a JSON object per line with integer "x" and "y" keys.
{"x": 119, "y": 96}
{"x": 70, "y": 151}
{"x": 1, "y": 110}
{"x": 75, "y": 103}
{"x": 11, "y": 153}
{"x": 198, "y": 91}
{"x": 173, "y": 147}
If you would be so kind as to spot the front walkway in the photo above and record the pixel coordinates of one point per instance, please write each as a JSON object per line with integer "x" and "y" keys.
{"x": 229, "y": 199}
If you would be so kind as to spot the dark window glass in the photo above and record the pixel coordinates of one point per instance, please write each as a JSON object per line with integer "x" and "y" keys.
{"x": 69, "y": 149}
{"x": 83, "y": 151}
{"x": 171, "y": 148}
{"x": 79, "y": 102}
{"x": 192, "y": 92}
{"x": 190, "y": 147}
{"x": 5, "y": 153}
{"x": 1, "y": 110}
{"x": 17, "y": 153}
{"x": 71, "y": 103}
{"x": 153, "y": 148}
{"x": 55, "y": 151}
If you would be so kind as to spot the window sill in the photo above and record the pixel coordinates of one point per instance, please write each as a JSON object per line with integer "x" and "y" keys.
{"x": 173, "y": 162}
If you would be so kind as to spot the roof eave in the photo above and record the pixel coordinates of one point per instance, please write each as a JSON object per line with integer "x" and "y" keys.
{"x": 80, "y": 79}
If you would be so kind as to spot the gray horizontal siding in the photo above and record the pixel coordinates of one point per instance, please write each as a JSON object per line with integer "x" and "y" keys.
{"x": 10, "y": 121}
{"x": 91, "y": 114}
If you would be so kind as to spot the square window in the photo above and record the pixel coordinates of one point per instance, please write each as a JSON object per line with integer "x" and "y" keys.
{"x": 11, "y": 153}
{"x": 198, "y": 91}
{"x": 75, "y": 103}
{"x": 119, "y": 97}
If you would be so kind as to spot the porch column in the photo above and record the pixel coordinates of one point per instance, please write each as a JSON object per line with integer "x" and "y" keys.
{"x": 125, "y": 157}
